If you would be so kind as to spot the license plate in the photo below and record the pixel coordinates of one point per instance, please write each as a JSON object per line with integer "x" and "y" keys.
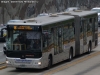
{"x": 24, "y": 61}
{"x": 22, "y": 65}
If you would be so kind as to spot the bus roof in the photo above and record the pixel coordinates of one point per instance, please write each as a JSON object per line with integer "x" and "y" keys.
{"x": 82, "y": 13}
{"x": 54, "y": 18}
{"x": 44, "y": 20}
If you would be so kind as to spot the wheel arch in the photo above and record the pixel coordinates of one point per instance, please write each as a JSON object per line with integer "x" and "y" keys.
{"x": 90, "y": 44}
{"x": 50, "y": 56}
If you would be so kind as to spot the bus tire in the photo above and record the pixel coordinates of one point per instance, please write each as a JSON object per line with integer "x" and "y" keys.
{"x": 89, "y": 48}
{"x": 70, "y": 55}
{"x": 49, "y": 62}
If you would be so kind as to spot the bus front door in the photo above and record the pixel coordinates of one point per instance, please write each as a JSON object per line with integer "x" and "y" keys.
{"x": 57, "y": 37}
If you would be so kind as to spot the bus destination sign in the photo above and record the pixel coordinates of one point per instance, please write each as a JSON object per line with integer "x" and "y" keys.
{"x": 23, "y": 27}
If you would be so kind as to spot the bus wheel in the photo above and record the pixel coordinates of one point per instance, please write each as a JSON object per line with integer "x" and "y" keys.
{"x": 49, "y": 63}
{"x": 89, "y": 49}
{"x": 70, "y": 55}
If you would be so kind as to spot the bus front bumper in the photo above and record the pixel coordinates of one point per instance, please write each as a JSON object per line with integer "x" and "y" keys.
{"x": 24, "y": 63}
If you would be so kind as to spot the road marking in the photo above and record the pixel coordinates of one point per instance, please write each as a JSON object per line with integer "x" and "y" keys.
{"x": 72, "y": 63}
{"x": 2, "y": 67}
{"x": 3, "y": 63}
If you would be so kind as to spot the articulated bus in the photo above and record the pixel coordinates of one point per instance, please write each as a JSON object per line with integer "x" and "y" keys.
{"x": 43, "y": 41}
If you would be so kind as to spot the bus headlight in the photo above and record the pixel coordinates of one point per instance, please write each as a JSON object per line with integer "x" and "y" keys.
{"x": 39, "y": 63}
{"x": 7, "y": 62}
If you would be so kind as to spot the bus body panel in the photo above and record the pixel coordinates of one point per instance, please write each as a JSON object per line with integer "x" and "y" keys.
{"x": 59, "y": 35}
{"x": 25, "y": 63}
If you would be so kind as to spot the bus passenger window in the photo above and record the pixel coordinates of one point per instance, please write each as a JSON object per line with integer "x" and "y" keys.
{"x": 44, "y": 41}
{"x": 46, "y": 37}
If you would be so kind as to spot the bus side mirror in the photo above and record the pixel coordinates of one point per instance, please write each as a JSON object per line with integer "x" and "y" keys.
{"x": 1, "y": 33}
{"x": 4, "y": 50}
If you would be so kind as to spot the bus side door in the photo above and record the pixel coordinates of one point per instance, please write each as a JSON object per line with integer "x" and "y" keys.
{"x": 85, "y": 46}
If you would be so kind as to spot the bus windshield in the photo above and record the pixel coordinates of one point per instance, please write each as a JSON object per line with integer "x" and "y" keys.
{"x": 23, "y": 40}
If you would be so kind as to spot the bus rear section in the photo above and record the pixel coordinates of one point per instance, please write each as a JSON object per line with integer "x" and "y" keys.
{"x": 86, "y": 30}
